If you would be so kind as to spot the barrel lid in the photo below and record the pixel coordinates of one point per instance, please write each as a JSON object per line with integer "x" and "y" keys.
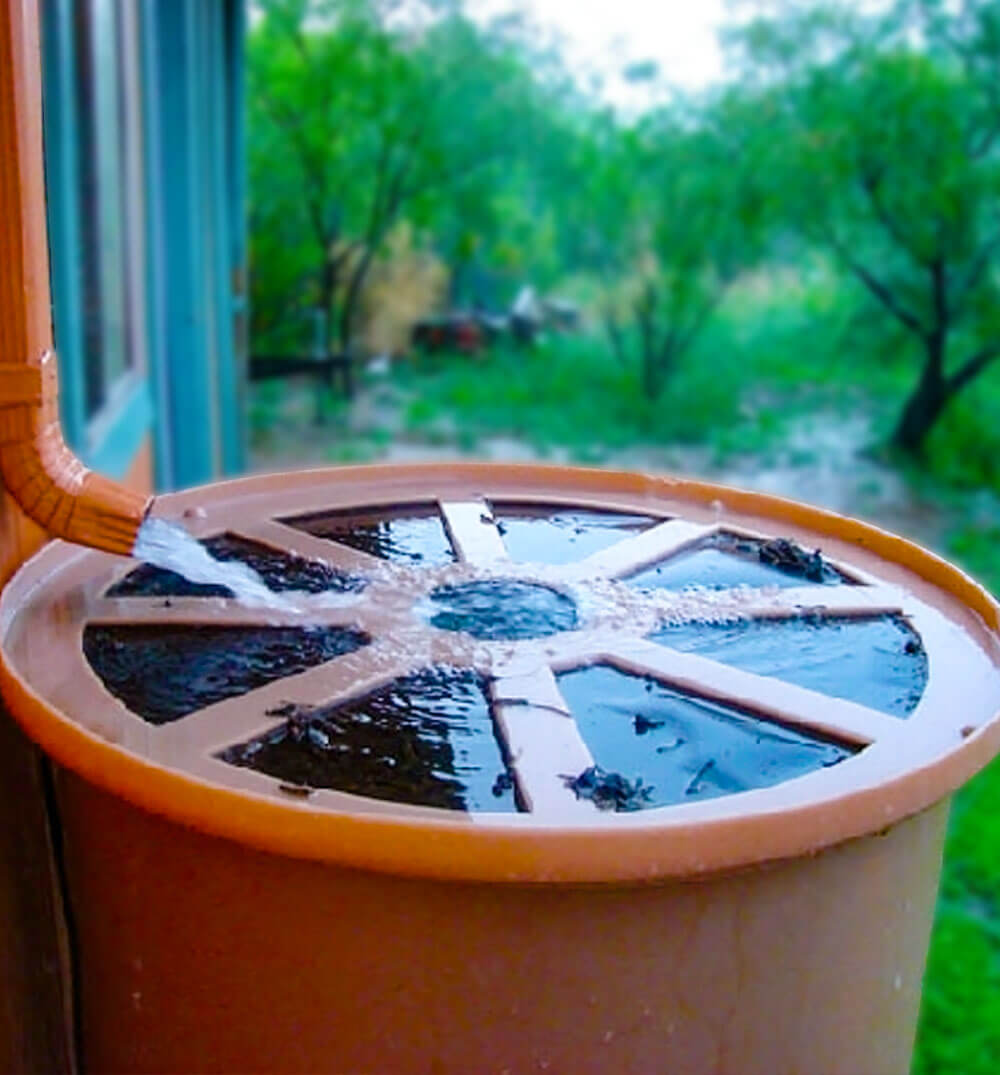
{"x": 514, "y": 673}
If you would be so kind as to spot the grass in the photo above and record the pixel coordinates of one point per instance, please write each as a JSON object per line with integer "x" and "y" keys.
{"x": 959, "y": 1032}
{"x": 759, "y": 365}
{"x": 774, "y": 355}
{"x": 566, "y": 393}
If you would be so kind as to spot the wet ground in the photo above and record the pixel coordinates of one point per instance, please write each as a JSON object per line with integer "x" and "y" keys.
{"x": 825, "y": 459}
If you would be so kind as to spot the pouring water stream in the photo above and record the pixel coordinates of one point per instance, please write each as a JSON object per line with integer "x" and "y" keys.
{"x": 167, "y": 545}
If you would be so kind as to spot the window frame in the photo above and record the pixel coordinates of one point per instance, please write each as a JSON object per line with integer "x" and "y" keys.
{"x": 109, "y": 438}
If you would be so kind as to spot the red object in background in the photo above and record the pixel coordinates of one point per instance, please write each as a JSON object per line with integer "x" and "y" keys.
{"x": 458, "y": 332}
{"x": 468, "y": 336}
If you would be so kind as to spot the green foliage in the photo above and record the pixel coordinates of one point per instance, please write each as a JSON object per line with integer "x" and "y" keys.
{"x": 886, "y": 155}
{"x": 354, "y": 122}
{"x": 667, "y": 212}
{"x": 960, "y": 1018}
{"x": 773, "y": 350}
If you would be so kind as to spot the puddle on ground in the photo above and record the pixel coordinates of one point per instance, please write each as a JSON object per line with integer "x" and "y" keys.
{"x": 501, "y": 609}
{"x": 426, "y": 739}
{"x": 409, "y": 533}
{"x": 549, "y": 534}
{"x": 876, "y": 661}
{"x": 725, "y": 560}
{"x": 280, "y": 572}
{"x": 677, "y": 748}
{"x": 164, "y": 673}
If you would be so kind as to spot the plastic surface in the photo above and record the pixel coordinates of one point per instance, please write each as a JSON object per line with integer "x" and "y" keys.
{"x": 907, "y": 766}
{"x": 199, "y": 954}
{"x": 778, "y": 930}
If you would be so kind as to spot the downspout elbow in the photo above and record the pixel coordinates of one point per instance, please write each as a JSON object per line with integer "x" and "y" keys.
{"x": 46, "y": 479}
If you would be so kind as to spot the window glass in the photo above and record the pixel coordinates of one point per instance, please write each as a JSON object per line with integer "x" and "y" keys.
{"x": 110, "y": 188}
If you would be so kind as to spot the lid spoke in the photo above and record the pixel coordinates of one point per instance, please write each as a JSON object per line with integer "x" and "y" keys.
{"x": 225, "y": 723}
{"x": 541, "y": 739}
{"x": 473, "y": 532}
{"x": 219, "y": 612}
{"x": 641, "y": 550}
{"x": 770, "y": 697}
{"x": 288, "y": 539}
{"x": 840, "y": 601}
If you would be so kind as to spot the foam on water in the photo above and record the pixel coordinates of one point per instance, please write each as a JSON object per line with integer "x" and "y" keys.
{"x": 166, "y": 545}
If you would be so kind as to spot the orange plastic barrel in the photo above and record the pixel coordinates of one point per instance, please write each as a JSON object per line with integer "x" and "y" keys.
{"x": 227, "y": 919}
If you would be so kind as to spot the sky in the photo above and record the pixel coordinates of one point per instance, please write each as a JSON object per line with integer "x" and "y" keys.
{"x": 606, "y": 35}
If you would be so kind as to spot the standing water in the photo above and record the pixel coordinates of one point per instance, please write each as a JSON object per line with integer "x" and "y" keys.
{"x": 169, "y": 546}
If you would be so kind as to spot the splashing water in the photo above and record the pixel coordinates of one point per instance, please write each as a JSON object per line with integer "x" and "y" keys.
{"x": 169, "y": 546}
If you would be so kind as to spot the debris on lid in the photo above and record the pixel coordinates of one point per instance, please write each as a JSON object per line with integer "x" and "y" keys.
{"x": 609, "y": 791}
{"x": 787, "y": 556}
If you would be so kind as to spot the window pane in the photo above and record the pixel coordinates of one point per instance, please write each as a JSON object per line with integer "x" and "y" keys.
{"x": 110, "y": 178}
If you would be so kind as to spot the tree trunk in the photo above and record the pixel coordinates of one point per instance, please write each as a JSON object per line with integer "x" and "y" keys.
{"x": 353, "y": 296}
{"x": 645, "y": 309}
{"x": 616, "y": 337}
{"x": 328, "y": 293}
{"x": 651, "y": 380}
{"x": 926, "y": 403}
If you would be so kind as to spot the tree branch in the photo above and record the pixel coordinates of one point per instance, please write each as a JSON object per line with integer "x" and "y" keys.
{"x": 880, "y": 290}
{"x": 973, "y": 367}
{"x": 702, "y": 315}
{"x": 871, "y": 183}
{"x": 939, "y": 294}
{"x": 616, "y": 336}
{"x": 979, "y": 266}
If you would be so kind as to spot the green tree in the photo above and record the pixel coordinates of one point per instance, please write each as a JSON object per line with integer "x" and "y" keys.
{"x": 886, "y": 151}
{"x": 674, "y": 210}
{"x": 359, "y": 118}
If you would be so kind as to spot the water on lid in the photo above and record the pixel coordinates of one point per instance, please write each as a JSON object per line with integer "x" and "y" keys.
{"x": 725, "y": 561}
{"x": 280, "y": 572}
{"x": 500, "y": 609}
{"x": 413, "y": 534}
{"x": 876, "y": 661}
{"x": 426, "y": 739}
{"x": 683, "y": 748}
{"x": 164, "y": 673}
{"x": 553, "y": 535}
{"x": 429, "y": 739}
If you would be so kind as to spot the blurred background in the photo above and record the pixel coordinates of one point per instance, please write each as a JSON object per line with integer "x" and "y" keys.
{"x": 755, "y": 241}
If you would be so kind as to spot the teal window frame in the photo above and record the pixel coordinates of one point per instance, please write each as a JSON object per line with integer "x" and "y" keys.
{"x": 186, "y": 385}
{"x": 109, "y": 439}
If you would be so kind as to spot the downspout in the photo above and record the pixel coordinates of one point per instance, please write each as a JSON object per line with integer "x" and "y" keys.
{"x": 38, "y": 470}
